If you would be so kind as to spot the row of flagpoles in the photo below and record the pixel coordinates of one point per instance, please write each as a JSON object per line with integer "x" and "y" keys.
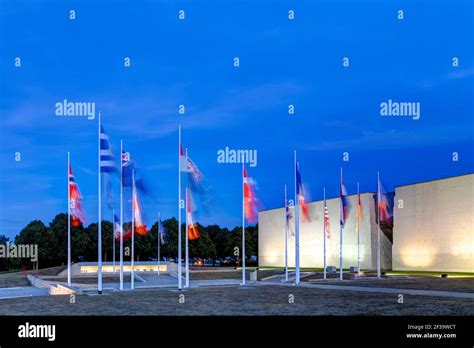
{"x": 193, "y": 191}
{"x": 383, "y": 214}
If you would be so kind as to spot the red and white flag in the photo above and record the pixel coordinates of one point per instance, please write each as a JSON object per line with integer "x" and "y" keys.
{"x": 75, "y": 197}
{"x": 326, "y": 221}
{"x": 250, "y": 199}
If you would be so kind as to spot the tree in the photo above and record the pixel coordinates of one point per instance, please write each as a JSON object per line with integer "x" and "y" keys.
{"x": 37, "y": 233}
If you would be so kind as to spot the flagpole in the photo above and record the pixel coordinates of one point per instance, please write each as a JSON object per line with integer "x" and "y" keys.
{"x": 187, "y": 232}
{"x": 243, "y": 225}
{"x": 297, "y": 230}
{"x": 378, "y": 225}
{"x": 159, "y": 241}
{"x": 68, "y": 221}
{"x": 286, "y": 234}
{"x": 340, "y": 229}
{"x": 358, "y": 229}
{"x": 99, "y": 222}
{"x": 132, "y": 263}
{"x": 180, "y": 280}
{"x": 121, "y": 215}
{"x": 324, "y": 232}
{"x": 113, "y": 241}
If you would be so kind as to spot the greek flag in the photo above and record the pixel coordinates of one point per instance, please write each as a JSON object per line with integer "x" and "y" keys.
{"x": 107, "y": 159}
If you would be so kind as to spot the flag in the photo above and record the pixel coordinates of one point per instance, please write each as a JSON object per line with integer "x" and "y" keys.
{"x": 250, "y": 199}
{"x": 140, "y": 226}
{"x": 107, "y": 159}
{"x": 195, "y": 182}
{"x": 384, "y": 204}
{"x": 359, "y": 212}
{"x": 116, "y": 227}
{"x": 326, "y": 221}
{"x": 128, "y": 166}
{"x": 193, "y": 232}
{"x": 301, "y": 195}
{"x": 108, "y": 165}
{"x": 289, "y": 216}
{"x": 75, "y": 203}
{"x": 161, "y": 231}
{"x": 345, "y": 206}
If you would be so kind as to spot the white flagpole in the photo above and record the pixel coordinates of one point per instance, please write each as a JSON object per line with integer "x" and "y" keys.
{"x": 359, "y": 220}
{"x": 159, "y": 240}
{"x": 243, "y": 225}
{"x": 132, "y": 263}
{"x": 186, "y": 232}
{"x": 297, "y": 231}
{"x": 68, "y": 222}
{"x": 378, "y": 225}
{"x": 180, "y": 280}
{"x": 340, "y": 229}
{"x": 324, "y": 232}
{"x": 121, "y": 215}
{"x": 99, "y": 222}
{"x": 113, "y": 241}
{"x": 286, "y": 234}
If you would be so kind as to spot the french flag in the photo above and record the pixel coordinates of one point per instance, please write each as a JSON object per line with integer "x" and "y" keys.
{"x": 116, "y": 227}
{"x": 300, "y": 194}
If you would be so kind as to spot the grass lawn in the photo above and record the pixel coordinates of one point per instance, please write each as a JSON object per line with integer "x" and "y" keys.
{"x": 14, "y": 279}
{"x": 261, "y": 300}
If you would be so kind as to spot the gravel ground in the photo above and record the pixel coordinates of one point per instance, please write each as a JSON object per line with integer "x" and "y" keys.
{"x": 261, "y": 300}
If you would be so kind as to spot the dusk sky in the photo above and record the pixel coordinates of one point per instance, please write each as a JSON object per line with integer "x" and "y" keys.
{"x": 190, "y": 62}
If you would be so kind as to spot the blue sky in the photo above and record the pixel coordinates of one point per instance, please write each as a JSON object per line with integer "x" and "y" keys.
{"x": 190, "y": 62}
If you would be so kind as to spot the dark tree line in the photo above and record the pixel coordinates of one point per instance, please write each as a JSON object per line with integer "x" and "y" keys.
{"x": 215, "y": 243}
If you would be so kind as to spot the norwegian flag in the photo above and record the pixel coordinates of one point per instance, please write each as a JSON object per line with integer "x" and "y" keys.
{"x": 301, "y": 195}
{"x": 193, "y": 232}
{"x": 250, "y": 199}
{"x": 345, "y": 206}
{"x": 326, "y": 221}
{"x": 75, "y": 203}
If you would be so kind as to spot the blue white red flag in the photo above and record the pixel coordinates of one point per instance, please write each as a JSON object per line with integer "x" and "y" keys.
{"x": 300, "y": 193}
{"x": 289, "y": 216}
{"x": 345, "y": 205}
{"x": 384, "y": 204}
{"x": 116, "y": 227}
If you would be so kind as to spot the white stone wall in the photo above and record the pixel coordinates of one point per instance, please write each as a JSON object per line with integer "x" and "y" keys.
{"x": 271, "y": 237}
{"x": 434, "y": 231}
